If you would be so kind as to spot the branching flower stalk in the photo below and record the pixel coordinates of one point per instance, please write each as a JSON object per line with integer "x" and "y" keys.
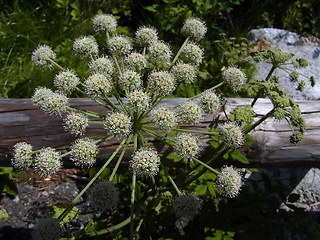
{"x": 131, "y": 85}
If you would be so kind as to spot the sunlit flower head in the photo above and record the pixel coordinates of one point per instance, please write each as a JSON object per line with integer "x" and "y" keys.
{"x": 97, "y": 85}
{"x": 164, "y": 118}
{"x": 119, "y": 45}
{"x": 130, "y": 80}
{"x": 209, "y": 102}
{"x": 84, "y": 152}
{"x": 102, "y": 65}
{"x": 186, "y": 146}
{"x": 47, "y": 161}
{"x": 43, "y": 56}
{"x": 159, "y": 54}
{"x": 161, "y": 83}
{"x": 118, "y": 124}
{"x": 231, "y": 135}
{"x": 146, "y": 35}
{"x": 229, "y": 182}
{"x": 190, "y": 112}
{"x": 184, "y": 72}
{"x": 138, "y": 101}
{"x": 234, "y": 78}
{"x": 66, "y": 81}
{"x": 85, "y": 46}
{"x": 136, "y": 61}
{"x": 104, "y": 23}
{"x": 22, "y": 155}
{"x": 192, "y": 53}
{"x": 194, "y": 28}
{"x": 76, "y": 123}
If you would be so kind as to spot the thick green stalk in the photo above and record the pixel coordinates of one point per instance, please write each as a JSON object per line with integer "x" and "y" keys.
{"x": 133, "y": 190}
{"x": 205, "y": 165}
{"x": 179, "y": 52}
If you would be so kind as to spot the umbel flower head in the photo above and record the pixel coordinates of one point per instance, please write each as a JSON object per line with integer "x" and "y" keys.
{"x": 104, "y": 195}
{"x": 164, "y": 118}
{"x": 84, "y": 152}
{"x": 161, "y": 83}
{"x": 190, "y": 112}
{"x": 43, "y": 56}
{"x": 146, "y": 35}
{"x": 229, "y": 182}
{"x": 50, "y": 102}
{"x": 97, "y": 85}
{"x": 194, "y": 28}
{"x": 159, "y": 54}
{"x": 136, "y": 61}
{"x": 85, "y": 46}
{"x": 130, "y": 80}
{"x": 186, "y": 206}
{"x": 101, "y": 65}
{"x": 47, "y": 229}
{"x": 209, "y": 102}
{"x": 138, "y": 101}
{"x": 234, "y": 77}
{"x": 118, "y": 124}
{"x": 76, "y": 123}
{"x": 104, "y": 23}
{"x": 145, "y": 162}
{"x": 47, "y": 161}
{"x": 22, "y": 155}
{"x": 66, "y": 81}
{"x": 119, "y": 45}
{"x": 231, "y": 135}
{"x": 186, "y": 146}
{"x": 184, "y": 72}
{"x": 192, "y": 53}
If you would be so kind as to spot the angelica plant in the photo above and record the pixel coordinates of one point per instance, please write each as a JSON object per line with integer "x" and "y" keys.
{"x": 130, "y": 78}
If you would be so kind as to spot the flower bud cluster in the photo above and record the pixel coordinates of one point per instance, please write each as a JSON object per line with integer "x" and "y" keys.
{"x": 118, "y": 124}
{"x": 51, "y": 102}
{"x": 66, "y": 81}
{"x": 186, "y": 146}
{"x": 229, "y": 182}
{"x": 104, "y": 23}
{"x": 104, "y": 196}
{"x": 22, "y": 155}
{"x": 164, "y": 119}
{"x": 101, "y": 65}
{"x": 76, "y": 123}
{"x": 136, "y": 61}
{"x": 98, "y": 85}
{"x": 84, "y": 152}
{"x": 47, "y": 161}
{"x": 145, "y": 162}
{"x": 85, "y": 46}
{"x": 161, "y": 83}
{"x": 43, "y": 56}
{"x": 159, "y": 54}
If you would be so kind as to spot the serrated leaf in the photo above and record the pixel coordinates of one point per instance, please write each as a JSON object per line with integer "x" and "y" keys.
{"x": 239, "y": 157}
{"x": 59, "y": 208}
{"x": 214, "y": 144}
{"x": 174, "y": 156}
{"x": 212, "y": 191}
{"x": 201, "y": 189}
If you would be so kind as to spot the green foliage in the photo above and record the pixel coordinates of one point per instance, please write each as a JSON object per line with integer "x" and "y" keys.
{"x": 57, "y": 209}
{"x": 7, "y": 184}
{"x": 3, "y": 214}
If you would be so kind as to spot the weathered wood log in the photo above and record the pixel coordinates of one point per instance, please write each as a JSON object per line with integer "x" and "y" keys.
{"x": 20, "y": 121}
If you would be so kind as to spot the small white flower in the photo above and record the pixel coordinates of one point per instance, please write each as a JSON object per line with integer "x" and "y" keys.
{"x": 194, "y": 28}
{"x": 161, "y": 83}
{"x": 145, "y": 162}
{"x": 104, "y": 196}
{"x": 42, "y": 56}
{"x": 146, "y": 35}
{"x": 231, "y": 135}
{"x": 101, "y": 65}
{"x": 118, "y": 124}
{"x": 136, "y": 61}
{"x": 190, "y": 112}
{"x": 47, "y": 161}
{"x": 184, "y": 72}
{"x": 66, "y": 81}
{"x": 130, "y": 80}
{"x": 234, "y": 77}
{"x": 209, "y": 102}
{"x": 229, "y": 182}
{"x": 47, "y": 229}
{"x": 51, "y": 102}
{"x": 119, "y": 45}
{"x": 22, "y": 155}
{"x": 186, "y": 146}
{"x": 76, "y": 123}
{"x": 164, "y": 118}
{"x": 138, "y": 101}
{"x": 85, "y": 46}
{"x": 186, "y": 206}
{"x": 84, "y": 152}
{"x": 192, "y": 53}
{"x": 97, "y": 85}
{"x": 104, "y": 23}
{"x": 159, "y": 54}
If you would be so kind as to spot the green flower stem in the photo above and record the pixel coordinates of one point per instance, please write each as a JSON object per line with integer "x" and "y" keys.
{"x": 205, "y": 165}
{"x": 96, "y": 122}
{"x": 120, "y": 158}
{"x": 56, "y": 64}
{"x": 161, "y": 138}
{"x": 153, "y": 105}
{"x": 119, "y": 99}
{"x": 108, "y": 101}
{"x": 267, "y": 79}
{"x": 178, "y": 53}
{"x": 144, "y": 50}
{"x": 135, "y": 142}
{"x": 185, "y": 130}
{"x": 133, "y": 189}
{"x": 68, "y": 143}
{"x": 75, "y": 200}
{"x": 171, "y": 180}
{"x": 87, "y": 112}
{"x": 253, "y": 126}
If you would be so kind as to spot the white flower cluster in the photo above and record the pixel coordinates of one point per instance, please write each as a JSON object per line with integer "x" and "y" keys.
{"x": 186, "y": 146}
{"x": 164, "y": 118}
{"x": 145, "y": 162}
{"x": 104, "y": 23}
{"x": 138, "y": 101}
{"x": 192, "y": 53}
{"x": 130, "y": 80}
{"x": 47, "y": 161}
{"x": 146, "y": 35}
{"x": 84, "y": 152}
{"x": 76, "y": 123}
{"x": 118, "y": 124}
{"x": 47, "y": 229}
{"x": 229, "y": 182}
{"x": 161, "y": 83}
{"x": 184, "y": 73}
{"x": 234, "y": 77}
{"x": 209, "y": 102}
{"x": 43, "y": 56}
{"x": 136, "y": 61}
{"x": 66, "y": 81}
{"x": 159, "y": 54}
{"x": 101, "y": 65}
{"x": 190, "y": 112}
{"x": 231, "y": 135}
{"x": 98, "y": 85}
{"x": 194, "y": 28}
{"x": 51, "y": 102}
{"x": 119, "y": 45}
{"x": 85, "y": 46}
{"x": 22, "y": 155}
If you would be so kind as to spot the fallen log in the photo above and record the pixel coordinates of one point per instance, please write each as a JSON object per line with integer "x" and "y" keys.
{"x": 20, "y": 121}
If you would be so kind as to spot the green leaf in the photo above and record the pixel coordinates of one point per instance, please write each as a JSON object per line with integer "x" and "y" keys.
{"x": 4, "y": 214}
{"x": 152, "y": 8}
{"x": 174, "y": 156}
{"x": 212, "y": 191}
{"x": 57, "y": 209}
{"x": 236, "y": 155}
{"x": 10, "y": 188}
{"x": 201, "y": 189}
